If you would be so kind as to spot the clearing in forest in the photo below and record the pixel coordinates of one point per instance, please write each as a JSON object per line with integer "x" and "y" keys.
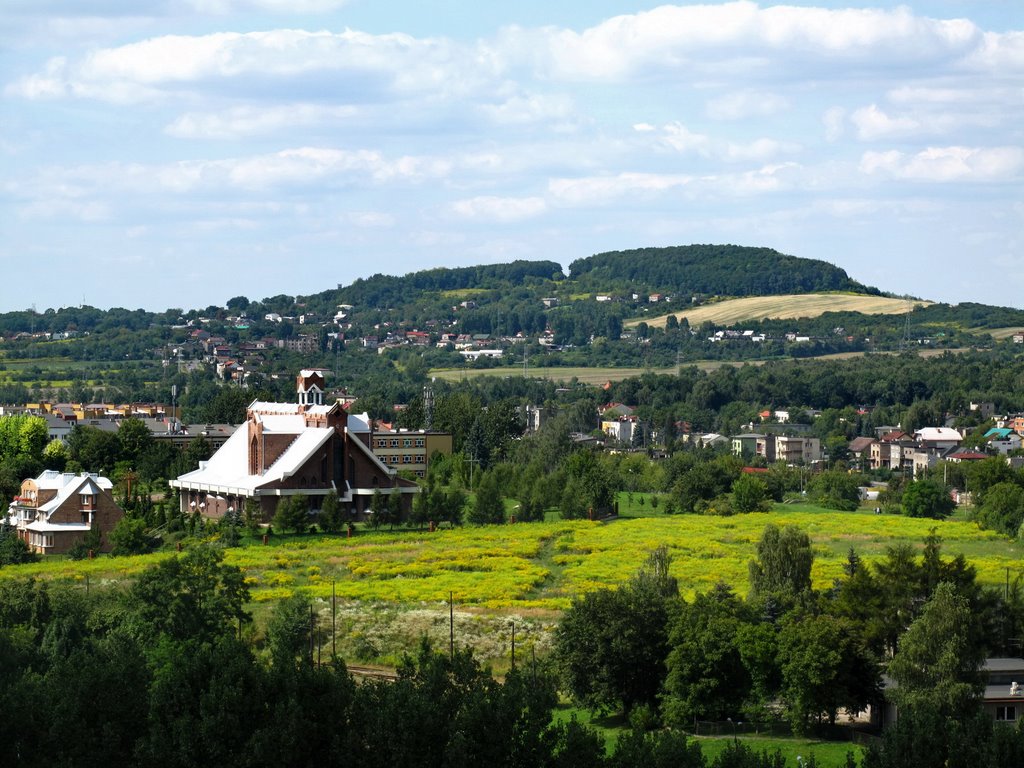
{"x": 789, "y": 306}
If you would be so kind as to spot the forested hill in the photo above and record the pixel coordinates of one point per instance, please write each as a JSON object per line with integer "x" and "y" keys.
{"x": 722, "y": 270}
{"x": 387, "y": 290}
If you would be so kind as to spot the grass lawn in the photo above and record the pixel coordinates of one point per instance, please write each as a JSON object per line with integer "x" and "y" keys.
{"x": 828, "y": 754}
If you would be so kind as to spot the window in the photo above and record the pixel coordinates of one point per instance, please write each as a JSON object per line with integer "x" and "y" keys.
{"x": 85, "y": 499}
{"x": 394, "y": 443}
{"x": 1006, "y": 714}
{"x": 407, "y": 443}
{"x": 419, "y": 442}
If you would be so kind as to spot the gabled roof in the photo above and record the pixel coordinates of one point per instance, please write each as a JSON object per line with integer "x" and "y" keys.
{"x": 860, "y": 444}
{"x": 967, "y": 456}
{"x": 71, "y": 485}
{"x": 894, "y": 436}
{"x": 227, "y": 469}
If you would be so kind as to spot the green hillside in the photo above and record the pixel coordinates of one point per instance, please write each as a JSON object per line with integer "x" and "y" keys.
{"x": 725, "y": 270}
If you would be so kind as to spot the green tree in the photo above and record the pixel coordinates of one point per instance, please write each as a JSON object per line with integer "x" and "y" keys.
{"x": 134, "y": 439}
{"x": 33, "y": 435}
{"x": 330, "y": 519}
{"x": 489, "y": 507}
{"x": 824, "y": 669}
{"x": 289, "y": 629}
{"x": 835, "y": 489}
{"x": 783, "y": 564}
{"x": 292, "y": 514}
{"x": 1003, "y": 509}
{"x": 982, "y": 475}
{"x": 251, "y": 515}
{"x": 749, "y": 494}
{"x": 55, "y": 455}
{"x": 192, "y": 596}
{"x": 12, "y": 549}
{"x": 378, "y": 509}
{"x": 927, "y": 498}
{"x": 394, "y": 506}
{"x": 706, "y": 676}
{"x": 129, "y": 537}
{"x": 610, "y": 645}
{"x": 937, "y": 665}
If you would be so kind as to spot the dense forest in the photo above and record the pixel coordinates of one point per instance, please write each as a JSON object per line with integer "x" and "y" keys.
{"x": 716, "y": 270}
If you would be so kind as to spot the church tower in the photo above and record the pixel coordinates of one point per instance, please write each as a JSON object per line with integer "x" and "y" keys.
{"x": 310, "y": 388}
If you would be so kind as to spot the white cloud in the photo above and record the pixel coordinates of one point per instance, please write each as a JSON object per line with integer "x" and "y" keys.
{"x": 372, "y": 64}
{"x": 528, "y": 108}
{"x": 679, "y": 138}
{"x": 80, "y": 191}
{"x": 592, "y": 190}
{"x": 674, "y": 38}
{"x": 255, "y": 120}
{"x": 682, "y": 139}
{"x": 947, "y": 164}
{"x": 503, "y": 209}
{"x": 598, "y": 190}
{"x": 224, "y": 7}
{"x": 741, "y": 105}
{"x": 872, "y": 123}
{"x": 834, "y": 120}
{"x": 372, "y": 219}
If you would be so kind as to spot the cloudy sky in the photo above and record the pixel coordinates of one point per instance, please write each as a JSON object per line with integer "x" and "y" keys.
{"x": 176, "y": 153}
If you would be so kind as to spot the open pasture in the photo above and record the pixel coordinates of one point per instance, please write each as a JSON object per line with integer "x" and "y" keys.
{"x": 785, "y": 307}
{"x": 542, "y": 566}
{"x": 393, "y": 587}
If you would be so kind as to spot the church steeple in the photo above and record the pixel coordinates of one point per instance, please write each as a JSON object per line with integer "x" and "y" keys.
{"x": 310, "y": 388}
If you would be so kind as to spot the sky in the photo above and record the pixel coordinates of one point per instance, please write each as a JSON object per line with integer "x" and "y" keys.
{"x": 178, "y": 153}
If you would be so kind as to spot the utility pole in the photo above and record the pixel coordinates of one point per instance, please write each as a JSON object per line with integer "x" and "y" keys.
{"x": 471, "y": 463}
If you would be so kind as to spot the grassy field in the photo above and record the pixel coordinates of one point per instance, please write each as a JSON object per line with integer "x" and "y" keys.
{"x": 586, "y": 375}
{"x": 393, "y": 586}
{"x": 786, "y": 307}
{"x": 542, "y": 566}
{"x": 828, "y": 754}
{"x": 997, "y": 333}
{"x": 601, "y": 375}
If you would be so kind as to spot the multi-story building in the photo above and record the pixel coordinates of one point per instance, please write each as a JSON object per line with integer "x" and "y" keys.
{"x": 55, "y": 511}
{"x": 409, "y": 450}
{"x": 787, "y": 448}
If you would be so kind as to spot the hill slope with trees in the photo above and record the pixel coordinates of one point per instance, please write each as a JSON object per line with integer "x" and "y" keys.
{"x": 725, "y": 270}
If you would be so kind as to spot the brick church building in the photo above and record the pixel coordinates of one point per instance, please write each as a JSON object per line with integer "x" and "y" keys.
{"x": 286, "y": 449}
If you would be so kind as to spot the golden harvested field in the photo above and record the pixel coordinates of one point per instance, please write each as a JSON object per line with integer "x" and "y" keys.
{"x": 998, "y": 333}
{"x": 787, "y": 307}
